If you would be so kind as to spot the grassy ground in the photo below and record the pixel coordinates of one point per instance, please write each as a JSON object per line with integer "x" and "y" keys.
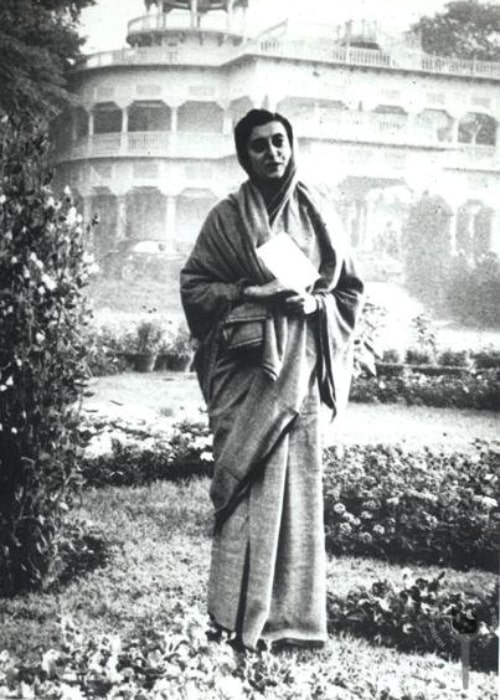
{"x": 159, "y": 554}
{"x": 176, "y": 394}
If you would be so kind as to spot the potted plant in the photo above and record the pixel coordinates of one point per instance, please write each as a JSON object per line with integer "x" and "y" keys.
{"x": 148, "y": 339}
{"x": 179, "y": 351}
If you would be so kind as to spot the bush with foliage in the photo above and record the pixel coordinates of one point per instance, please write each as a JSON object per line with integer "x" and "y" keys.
{"x": 428, "y": 507}
{"x": 473, "y": 290}
{"x": 420, "y": 618}
{"x": 426, "y": 243}
{"x": 141, "y": 455}
{"x": 43, "y": 268}
{"x": 478, "y": 390}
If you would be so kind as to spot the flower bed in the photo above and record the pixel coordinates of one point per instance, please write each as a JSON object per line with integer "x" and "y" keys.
{"x": 381, "y": 501}
{"x": 419, "y": 617}
{"x": 413, "y": 506}
{"x": 184, "y": 659}
{"x": 477, "y": 390}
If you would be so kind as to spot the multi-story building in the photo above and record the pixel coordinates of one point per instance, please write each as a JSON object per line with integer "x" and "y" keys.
{"x": 377, "y": 122}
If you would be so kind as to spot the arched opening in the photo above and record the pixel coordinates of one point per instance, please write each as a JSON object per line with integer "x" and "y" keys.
{"x": 478, "y": 129}
{"x": 107, "y": 118}
{"x": 390, "y": 109}
{"x": 104, "y": 204}
{"x": 299, "y": 110}
{"x": 473, "y": 229}
{"x": 438, "y": 121}
{"x": 193, "y": 206}
{"x": 200, "y": 117}
{"x": 81, "y": 122}
{"x": 145, "y": 214}
{"x": 329, "y": 111}
{"x": 149, "y": 115}
{"x": 238, "y": 108}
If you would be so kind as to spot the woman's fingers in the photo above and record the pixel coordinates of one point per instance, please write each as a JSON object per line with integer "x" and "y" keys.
{"x": 303, "y": 304}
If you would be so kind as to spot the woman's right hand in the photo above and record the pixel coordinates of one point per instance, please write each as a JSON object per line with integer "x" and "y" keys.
{"x": 266, "y": 292}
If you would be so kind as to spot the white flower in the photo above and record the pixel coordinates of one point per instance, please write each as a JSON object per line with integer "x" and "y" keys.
{"x": 49, "y": 282}
{"x": 10, "y": 381}
{"x": 14, "y": 260}
{"x": 26, "y": 273}
{"x": 13, "y": 431}
{"x": 3, "y": 387}
{"x": 71, "y": 216}
{"x": 50, "y": 203}
{"x": 39, "y": 337}
{"x": 67, "y": 191}
{"x": 49, "y": 662}
{"x": 3, "y": 199}
{"x": 486, "y": 501}
{"x": 207, "y": 457}
{"x": 33, "y": 257}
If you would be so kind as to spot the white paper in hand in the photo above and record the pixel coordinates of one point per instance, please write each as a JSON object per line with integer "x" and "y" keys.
{"x": 283, "y": 257}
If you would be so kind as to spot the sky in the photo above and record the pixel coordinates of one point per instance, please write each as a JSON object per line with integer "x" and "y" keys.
{"x": 105, "y": 24}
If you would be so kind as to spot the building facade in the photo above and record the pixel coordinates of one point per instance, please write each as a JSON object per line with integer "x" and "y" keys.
{"x": 377, "y": 122}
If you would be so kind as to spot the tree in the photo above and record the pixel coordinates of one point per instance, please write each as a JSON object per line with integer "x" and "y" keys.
{"x": 426, "y": 244}
{"x": 38, "y": 45}
{"x": 466, "y": 29}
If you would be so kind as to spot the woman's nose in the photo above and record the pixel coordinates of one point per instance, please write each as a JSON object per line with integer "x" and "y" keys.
{"x": 272, "y": 150}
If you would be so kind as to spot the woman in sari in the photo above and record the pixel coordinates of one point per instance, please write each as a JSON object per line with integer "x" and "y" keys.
{"x": 267, "y": 356}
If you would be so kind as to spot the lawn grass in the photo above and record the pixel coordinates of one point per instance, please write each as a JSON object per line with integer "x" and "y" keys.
{"x": 159, "y": 549}
{"x": 177, "y": 395}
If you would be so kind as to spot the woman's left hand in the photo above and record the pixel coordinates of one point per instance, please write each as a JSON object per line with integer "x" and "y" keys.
{"x": 300, "y": 304}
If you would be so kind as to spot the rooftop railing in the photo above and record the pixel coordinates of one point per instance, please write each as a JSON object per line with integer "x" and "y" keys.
{"x": 214, "y": 55}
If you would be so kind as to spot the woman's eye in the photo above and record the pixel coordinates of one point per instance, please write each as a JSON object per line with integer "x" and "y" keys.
{"x": 258, "y": 146}
{"x": 277, "y": 141}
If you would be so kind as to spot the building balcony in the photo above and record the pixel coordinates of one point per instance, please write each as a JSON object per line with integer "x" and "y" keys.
{"x": 150, "y": 144}
{"x": 357, "y": 127}
{"x": 217, "y": 55}
{"x": 369, "y": 127}
{"x": 468, "y": 156}
{"x": 163, "y": 23}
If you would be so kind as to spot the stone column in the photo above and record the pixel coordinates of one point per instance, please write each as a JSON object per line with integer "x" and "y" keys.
{"x": 91, "y": 123}
{"x": 453, "y": 232}
{"x": 173, "y": 119}
{"x": 227, "y": 125}
{"x": 125, "y": 120}
{"x": 495, "y": 232}
{"x": 121, "y": 218}
{"x": 170, "y": 215}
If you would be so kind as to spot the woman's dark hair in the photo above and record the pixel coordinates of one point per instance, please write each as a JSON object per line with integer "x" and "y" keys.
{"x": 253, "y": 118}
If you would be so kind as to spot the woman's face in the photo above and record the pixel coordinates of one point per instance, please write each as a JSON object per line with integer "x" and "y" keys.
{"x": 269, "y": 151}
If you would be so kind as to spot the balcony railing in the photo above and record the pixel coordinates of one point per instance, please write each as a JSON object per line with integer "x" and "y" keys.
{"x": 162, "y": 22}
{"x": 151, "y": 143}
{"x": 475, "y": 156}
{"x": 214, "y": 55}
{"x": 369, "y": 127}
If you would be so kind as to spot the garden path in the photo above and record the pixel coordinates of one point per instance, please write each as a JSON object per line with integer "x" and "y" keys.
{"x": 173, "y": 396}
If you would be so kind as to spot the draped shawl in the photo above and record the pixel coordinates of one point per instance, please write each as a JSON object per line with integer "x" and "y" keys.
{"x": 222, "y": 263}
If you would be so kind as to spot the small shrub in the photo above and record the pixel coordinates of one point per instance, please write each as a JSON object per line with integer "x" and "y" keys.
{"x": 416, "y": 356}
{"x": 391, "y": 355}
{"x": 488, "y": 358}
{"x": 454, "y": 358}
